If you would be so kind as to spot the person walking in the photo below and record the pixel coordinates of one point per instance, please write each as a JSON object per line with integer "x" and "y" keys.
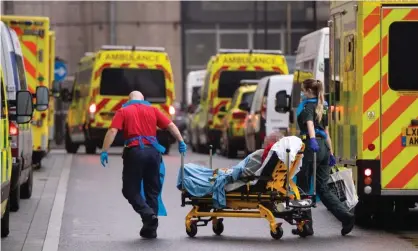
{"x": 312, "y": 119}
{"x": 141, "y": 156}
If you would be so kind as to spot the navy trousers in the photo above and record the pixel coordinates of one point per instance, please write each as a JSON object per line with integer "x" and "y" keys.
{"x": 142, "y": 165}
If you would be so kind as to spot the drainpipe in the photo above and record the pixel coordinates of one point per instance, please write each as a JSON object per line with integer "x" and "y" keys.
{"x": 112, "y": 22}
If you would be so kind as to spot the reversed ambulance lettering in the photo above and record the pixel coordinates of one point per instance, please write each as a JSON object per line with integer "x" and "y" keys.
{"x": 251, "y": 60}
{"x": 132, "y": 57}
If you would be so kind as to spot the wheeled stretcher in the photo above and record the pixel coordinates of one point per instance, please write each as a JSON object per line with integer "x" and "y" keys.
{"x": 274, "y": 195}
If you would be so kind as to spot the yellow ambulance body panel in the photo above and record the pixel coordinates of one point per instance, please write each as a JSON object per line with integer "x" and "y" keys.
{"x": 103, "y": 82}
{"x": 34, "y": 36}
{"x": 224, "y": 72}
{"x": 374, "y": 99}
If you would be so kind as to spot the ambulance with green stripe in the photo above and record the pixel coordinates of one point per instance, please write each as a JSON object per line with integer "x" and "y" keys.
{"x": 23, "y": 114}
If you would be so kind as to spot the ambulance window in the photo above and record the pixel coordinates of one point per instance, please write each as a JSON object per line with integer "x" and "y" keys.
{"x": 247, "y": 97}
{"x": 196, "y": 94}
{"x": 21, "y": 72}
{"x": 122, "y": 81}
{"x": 229, "y": 81}
{"x": 403, "y": 41}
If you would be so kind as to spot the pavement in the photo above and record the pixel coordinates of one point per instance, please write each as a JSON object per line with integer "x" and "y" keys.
{"x": 77, "y": 205}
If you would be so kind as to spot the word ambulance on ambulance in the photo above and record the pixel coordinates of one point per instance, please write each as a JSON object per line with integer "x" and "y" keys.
{"x": 374, "y": 100}
{"x": 39, "y": 52}
{"x": 102, "y": 84}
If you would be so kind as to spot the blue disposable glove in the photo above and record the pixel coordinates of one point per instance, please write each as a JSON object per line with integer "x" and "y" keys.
{"x": 103, "y": 158}
{"x": 314, "y": 144}
{"x": 332, "y": 160}
{"x": 182, "y": 147}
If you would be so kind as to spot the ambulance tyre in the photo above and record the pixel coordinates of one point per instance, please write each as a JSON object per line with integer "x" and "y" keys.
{"x": 14, "y": 197}
{"x": 70, "y": 147}
{"x": 231, "y": 150}
{"x": 5, "y": 222}
{"x": 26, "y": 188}
{"x": 91, "y": 147}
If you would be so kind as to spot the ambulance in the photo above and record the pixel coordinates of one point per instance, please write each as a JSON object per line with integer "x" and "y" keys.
{"x": 23, "y": 114}
{"x": 103, "y": 81}
{"x": 224, "y": 72}
{"x": 373, "y": 101}
{"x": 34, "y": 35}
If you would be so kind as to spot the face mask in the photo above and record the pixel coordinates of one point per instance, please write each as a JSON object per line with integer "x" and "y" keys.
{"x": 302, "y": 96}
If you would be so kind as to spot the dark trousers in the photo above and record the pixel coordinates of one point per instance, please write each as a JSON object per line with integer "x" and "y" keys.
{"x": 142, "y": 164}
{"x": 328, "y": 198}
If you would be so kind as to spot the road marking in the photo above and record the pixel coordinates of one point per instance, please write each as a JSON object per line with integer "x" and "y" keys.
{"x": 55, "y": 221}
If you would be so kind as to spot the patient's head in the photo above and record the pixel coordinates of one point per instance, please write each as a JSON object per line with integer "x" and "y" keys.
{"x": 273, "y": 138}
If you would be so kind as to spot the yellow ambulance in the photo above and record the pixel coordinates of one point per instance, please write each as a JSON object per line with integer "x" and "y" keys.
{"x": 224, "y": 72}
{"x": 34, "y": 35}
{"x": 233, "y": 133}
{"x": 373, "y": 98}
{"x": 102, "y": 84}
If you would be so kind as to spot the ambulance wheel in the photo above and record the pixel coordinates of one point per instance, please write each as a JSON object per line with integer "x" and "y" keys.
{"x": 279, "y": 233}
{"x": 70, "y": 147}
{"x": 231, "y": 150}
{"x": 218, "y": 227}
{"x": 15, "y": 199}
{"x": 91, "y": 147}
{"x": 26, "y": 188}
{"x": 193, "y": 230}
{"x": 5, "y": 222}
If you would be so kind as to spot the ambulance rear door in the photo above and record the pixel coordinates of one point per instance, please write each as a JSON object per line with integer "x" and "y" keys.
{"x": 399, "y": 99}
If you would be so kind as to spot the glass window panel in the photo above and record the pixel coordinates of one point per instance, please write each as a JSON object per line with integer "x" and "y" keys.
{"x": 199, "y": 48}
{"x": 273, "y": 41}
{"x": 234, "y": 41}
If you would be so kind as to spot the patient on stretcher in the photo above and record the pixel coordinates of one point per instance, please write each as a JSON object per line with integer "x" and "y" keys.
{"x": 200, "y": 181}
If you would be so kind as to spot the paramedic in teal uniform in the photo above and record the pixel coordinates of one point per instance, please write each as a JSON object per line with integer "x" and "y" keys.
{"x": 312, "y": 119}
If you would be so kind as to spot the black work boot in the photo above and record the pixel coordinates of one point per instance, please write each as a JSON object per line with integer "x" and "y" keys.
{"x": 149, "y": 229}
{"x": 348, "y": 225}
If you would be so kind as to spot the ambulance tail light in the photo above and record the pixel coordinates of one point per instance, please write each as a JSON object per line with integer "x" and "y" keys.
{"x": 172, "y": 110}
{"x": 43, "y": 115}
{"x": 371, "y": 147}
{"x": 14, "y": 142}
{"x": 239, "y": 115}
{"x": 367, "y": 172}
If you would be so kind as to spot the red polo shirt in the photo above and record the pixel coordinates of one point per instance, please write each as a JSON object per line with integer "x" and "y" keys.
{"x": 139, "y": 120}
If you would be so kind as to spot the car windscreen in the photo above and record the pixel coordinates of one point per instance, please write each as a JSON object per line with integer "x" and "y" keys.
{"x": 229, "y": 81}
{"x": 122, "y": 81}
{"x": 247, "y": 97}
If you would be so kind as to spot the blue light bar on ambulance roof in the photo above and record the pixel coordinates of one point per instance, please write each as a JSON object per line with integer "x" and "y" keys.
{"x": 131, "y": 48}
{"x": 225, "y": 51}
{"x": 27, "y": 23}
{"x": 249, "y": 82}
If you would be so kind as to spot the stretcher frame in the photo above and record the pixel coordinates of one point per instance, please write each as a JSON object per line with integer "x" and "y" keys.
{"x": 253, "y": 205}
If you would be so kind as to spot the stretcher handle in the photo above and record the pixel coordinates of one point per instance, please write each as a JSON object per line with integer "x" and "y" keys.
{"x": 287, "y": 177}
{"x": 314, "y": 180}
{"x": 182, "y": 170}
{"x": 210, "y": 156}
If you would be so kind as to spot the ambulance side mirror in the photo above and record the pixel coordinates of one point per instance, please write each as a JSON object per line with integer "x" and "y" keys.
{"x": 24, "y": 107}
{"x": 42, "y": 98}
{"x": 65, "y": 95}
{"x": 282, "y": 102}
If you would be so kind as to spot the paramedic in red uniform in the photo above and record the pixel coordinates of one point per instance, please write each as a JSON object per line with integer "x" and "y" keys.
{"x": 141, "y": 156}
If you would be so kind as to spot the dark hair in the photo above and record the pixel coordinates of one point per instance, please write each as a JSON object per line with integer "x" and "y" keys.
{"x": 317, "y": 89}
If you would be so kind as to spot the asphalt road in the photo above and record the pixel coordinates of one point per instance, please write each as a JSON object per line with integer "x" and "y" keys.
{"x": 78, "y": 205}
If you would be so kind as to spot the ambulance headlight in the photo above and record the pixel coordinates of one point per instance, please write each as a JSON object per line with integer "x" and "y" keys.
{"x": 172, "y": 110}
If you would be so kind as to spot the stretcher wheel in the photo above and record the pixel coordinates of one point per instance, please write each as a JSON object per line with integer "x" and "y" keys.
{"x": 278, "y": 234}
{"x": 193, "y": 230}
{"x": 218, "y": 228}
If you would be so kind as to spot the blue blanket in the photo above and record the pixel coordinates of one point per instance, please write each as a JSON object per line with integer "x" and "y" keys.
{"x": 199, "y": 181}
{"x": 161, "y": 208}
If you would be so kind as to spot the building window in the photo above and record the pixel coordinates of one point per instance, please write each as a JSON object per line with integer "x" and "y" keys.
{"x": 200, "y": 47}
